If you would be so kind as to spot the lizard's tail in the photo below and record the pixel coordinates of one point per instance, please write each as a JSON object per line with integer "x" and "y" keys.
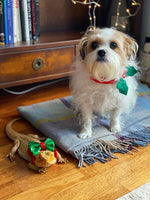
{"x": 12, "y": 134}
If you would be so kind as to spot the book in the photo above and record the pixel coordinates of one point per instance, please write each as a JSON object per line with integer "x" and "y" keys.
{"x": 24, "y": 20}
{"x": 5, "y": 22}
{"x": 9, "y": 21}
{"x": 29, "y": 18}
{"x": 2, "y": 32}
{"x": 35, "y": 19}
{"x": 16, "y": 22}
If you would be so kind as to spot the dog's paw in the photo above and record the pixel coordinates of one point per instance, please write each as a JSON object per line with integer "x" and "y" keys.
{"x": 84, "y": 135}
{"x": 115, "y": 128}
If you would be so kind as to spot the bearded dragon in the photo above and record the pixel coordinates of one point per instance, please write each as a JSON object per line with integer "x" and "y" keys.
{"x": 30, "y": 148}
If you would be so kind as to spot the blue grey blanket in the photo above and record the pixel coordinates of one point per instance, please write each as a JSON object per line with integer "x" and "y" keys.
{"x": 55, "y": 119}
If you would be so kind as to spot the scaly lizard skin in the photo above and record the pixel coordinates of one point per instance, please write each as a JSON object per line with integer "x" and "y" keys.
{"x": 43, "y": 159}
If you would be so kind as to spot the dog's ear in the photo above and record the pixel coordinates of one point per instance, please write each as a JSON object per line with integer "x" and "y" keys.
{"x": 83, "y": 47}
{"x": 84, "y": 41}
{"x": 131, "y": 47}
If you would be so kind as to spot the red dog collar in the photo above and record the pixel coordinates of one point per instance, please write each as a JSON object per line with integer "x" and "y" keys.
{"x": 109, "y": 82}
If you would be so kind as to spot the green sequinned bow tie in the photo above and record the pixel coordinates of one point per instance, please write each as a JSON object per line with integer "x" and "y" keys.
{"x": 121, "y": 84}
{"x": 36, "y": 147}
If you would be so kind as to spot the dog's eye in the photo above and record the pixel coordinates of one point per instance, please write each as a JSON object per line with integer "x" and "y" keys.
{"x": 94, "y": 45}
{"x": 113, "y": 45}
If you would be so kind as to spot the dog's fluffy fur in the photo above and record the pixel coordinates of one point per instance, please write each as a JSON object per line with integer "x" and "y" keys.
{"x": 103, "y": 54}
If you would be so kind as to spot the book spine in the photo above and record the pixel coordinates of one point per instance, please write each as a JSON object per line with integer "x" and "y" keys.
{"x": 35, "y": 19}
{"x": 24, "y": 20}
{"x": 9, "y": 21}
{"x": 16, "y": 22}
{"x": 29, "y": 18}
{"x": 2, "y": 32}
{"x": 5, "y": 22}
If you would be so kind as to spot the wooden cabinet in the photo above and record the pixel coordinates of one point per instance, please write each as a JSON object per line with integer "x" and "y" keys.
{"x": 34, "y": 65}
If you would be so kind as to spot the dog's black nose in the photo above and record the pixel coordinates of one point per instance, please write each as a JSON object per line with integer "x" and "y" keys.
{"x": 101, "y": 53}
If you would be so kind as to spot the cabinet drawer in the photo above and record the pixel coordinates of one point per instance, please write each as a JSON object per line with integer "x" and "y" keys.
{"x": 37, "y": 65}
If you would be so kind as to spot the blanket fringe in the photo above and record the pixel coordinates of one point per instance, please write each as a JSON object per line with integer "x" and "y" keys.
{"x": 103, "y": 151}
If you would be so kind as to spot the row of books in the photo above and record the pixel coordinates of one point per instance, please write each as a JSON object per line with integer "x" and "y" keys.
{"x": 19, "y": 21}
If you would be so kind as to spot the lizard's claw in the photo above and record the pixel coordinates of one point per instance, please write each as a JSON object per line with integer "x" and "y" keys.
{"x": 42, "y": 170}
{"x": 63, "y": 160}
{"x": 11, "y": 157}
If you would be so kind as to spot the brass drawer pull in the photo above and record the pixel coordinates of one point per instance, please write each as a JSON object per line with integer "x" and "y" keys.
{"x": 38, "y": 63}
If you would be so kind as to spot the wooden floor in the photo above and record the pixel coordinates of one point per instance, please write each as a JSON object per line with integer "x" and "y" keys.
{"x": 65, "y": 182}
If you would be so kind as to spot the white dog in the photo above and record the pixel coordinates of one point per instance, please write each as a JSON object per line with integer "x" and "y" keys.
{"x": 103, "y": 81}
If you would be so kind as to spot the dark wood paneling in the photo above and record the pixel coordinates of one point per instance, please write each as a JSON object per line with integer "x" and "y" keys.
{"x": 62, "y": 15}
{"x": 136, "y": 22}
